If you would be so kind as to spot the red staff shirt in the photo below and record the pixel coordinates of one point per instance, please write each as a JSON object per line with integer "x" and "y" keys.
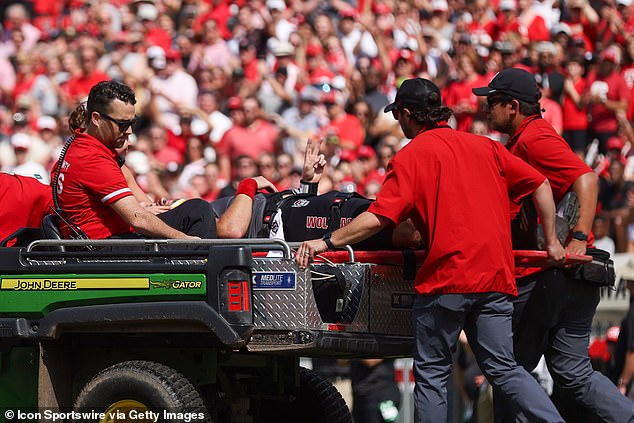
{"x": 25, "y": 201}
{"x": 89, "y": 182}
{"x": 537, "y": 143}
{"x": 456, "y": 188}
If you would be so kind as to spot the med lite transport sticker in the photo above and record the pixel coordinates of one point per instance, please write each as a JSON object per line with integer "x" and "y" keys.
{"x": 274, "y": 280}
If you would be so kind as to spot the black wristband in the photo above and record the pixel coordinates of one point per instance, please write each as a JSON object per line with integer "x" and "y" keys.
{"x": 580, "y": 236}
{"x": 326, "y": 239}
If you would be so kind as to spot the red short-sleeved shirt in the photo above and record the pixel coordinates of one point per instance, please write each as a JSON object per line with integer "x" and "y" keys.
{"x": 90, "y": 181}
{"x": 350, "y": 131}
{"x": 456, "y": 187}
{"x": 537, "y": 143}
{"x": 574, "y": 118}
{"x": 25, "y": 201}
{"x": 252, "y": 141}
{"x": 603, "y": 119}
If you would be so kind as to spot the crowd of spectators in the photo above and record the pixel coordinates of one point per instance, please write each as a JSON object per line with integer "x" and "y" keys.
{"x": 230, "y": 89}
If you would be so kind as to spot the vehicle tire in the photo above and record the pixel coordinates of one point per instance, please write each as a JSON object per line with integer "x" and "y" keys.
{"x": 134, "y": 388}
{"x": 315, "y": 401}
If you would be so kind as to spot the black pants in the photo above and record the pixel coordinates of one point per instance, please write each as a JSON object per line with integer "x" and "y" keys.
{"x": 193, "y": 217}
{"x": 553, "y": 316}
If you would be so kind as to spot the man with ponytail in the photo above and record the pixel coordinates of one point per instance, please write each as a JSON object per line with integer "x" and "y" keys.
{"x": 88, "y": 183}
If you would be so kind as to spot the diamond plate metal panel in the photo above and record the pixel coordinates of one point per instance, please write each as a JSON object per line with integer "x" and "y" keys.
{"x": 283, "y": 309}
{"x": 368, "y": 304}
{"x": 386, "y": 281}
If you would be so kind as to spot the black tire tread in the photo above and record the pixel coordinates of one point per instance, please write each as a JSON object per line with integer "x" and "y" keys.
{"x": 325, "y": 394}
{"x": 179, "y": 386}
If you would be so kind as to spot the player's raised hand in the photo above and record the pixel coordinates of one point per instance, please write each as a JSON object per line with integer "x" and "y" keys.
{"x": 314, "y": 161}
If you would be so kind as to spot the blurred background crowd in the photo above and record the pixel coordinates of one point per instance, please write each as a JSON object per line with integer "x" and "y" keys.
{"x": 228, "y": 90}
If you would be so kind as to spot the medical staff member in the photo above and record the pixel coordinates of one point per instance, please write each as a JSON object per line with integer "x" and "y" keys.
{"x": 553, "y": 313}
{"x": 90, "y": 185}
{"x": 456, "y": 188}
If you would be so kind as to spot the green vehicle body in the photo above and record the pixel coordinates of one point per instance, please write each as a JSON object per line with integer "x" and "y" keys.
{"x": 65, "y": 316}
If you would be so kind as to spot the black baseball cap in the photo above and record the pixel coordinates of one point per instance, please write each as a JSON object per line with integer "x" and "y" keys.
{"x": 515, "y": 82}
{"x": 415, "y": 93}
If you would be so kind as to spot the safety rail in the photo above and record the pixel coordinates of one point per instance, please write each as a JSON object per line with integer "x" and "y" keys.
{"x": 256, "y": 244}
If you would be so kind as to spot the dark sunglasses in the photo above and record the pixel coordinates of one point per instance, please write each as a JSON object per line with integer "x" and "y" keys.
{"x": 123, "y": 125}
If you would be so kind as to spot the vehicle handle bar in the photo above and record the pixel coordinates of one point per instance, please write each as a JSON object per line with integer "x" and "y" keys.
{"x": 256, "y": 244}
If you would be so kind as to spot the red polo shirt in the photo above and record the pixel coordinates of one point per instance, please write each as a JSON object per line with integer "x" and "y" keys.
{"x": 456, "y": 187}
{"x": 25, "y": 201}
{"x": 89, "y": 182}
{"x": 537, "y": 143}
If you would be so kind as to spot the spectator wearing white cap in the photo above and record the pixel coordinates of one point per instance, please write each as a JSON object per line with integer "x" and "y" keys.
{"x": 47, "y": 133}
{"x": 278, "y": 20}
{"x": 24, "y": 164}
{"x": 439, "y": 20}
{"x": 284, "y": 53}
{"x": 148, "y": 14}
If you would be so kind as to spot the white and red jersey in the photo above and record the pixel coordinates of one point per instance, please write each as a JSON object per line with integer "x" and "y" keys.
{"x": 91, "y": 180}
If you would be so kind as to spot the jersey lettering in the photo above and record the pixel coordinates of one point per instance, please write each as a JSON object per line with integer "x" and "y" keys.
{"x": 60, "y": 185}
{"x": 344, "y": 221}
{"x": 318, "y": 222}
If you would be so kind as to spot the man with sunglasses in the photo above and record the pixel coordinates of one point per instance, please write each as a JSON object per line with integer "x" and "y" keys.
{"x": 553, "y": 313}
{"x": 90, "y": 185}
{"x": 456, "y": 188}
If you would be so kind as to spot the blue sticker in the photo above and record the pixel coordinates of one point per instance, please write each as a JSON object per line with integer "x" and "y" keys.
{"x": 274, "y": 280}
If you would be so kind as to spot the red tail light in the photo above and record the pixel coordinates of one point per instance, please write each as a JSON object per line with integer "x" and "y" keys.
{"x": 238, "y": 296}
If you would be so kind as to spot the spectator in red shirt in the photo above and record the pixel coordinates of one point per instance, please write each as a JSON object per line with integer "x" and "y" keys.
{"x": 255, "y": 137}
{"x": 582, "y": 20}
{"x": 574, "y": 110}
{"x": 459, "y": 96}
{"x": 79, "y": 86}
{"x": 607, "y": 95}
{"x": 153, "y": 34}
{"x": 347, "y": 126}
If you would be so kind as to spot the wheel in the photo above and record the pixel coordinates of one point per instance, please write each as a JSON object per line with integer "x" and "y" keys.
{"x": 140, "y": 391}
{"x": 315, "y": 401}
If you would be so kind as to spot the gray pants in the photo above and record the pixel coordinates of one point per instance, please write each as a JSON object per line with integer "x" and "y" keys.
{"x": 486, "y": 319}
{"x": 553, "y": 317}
